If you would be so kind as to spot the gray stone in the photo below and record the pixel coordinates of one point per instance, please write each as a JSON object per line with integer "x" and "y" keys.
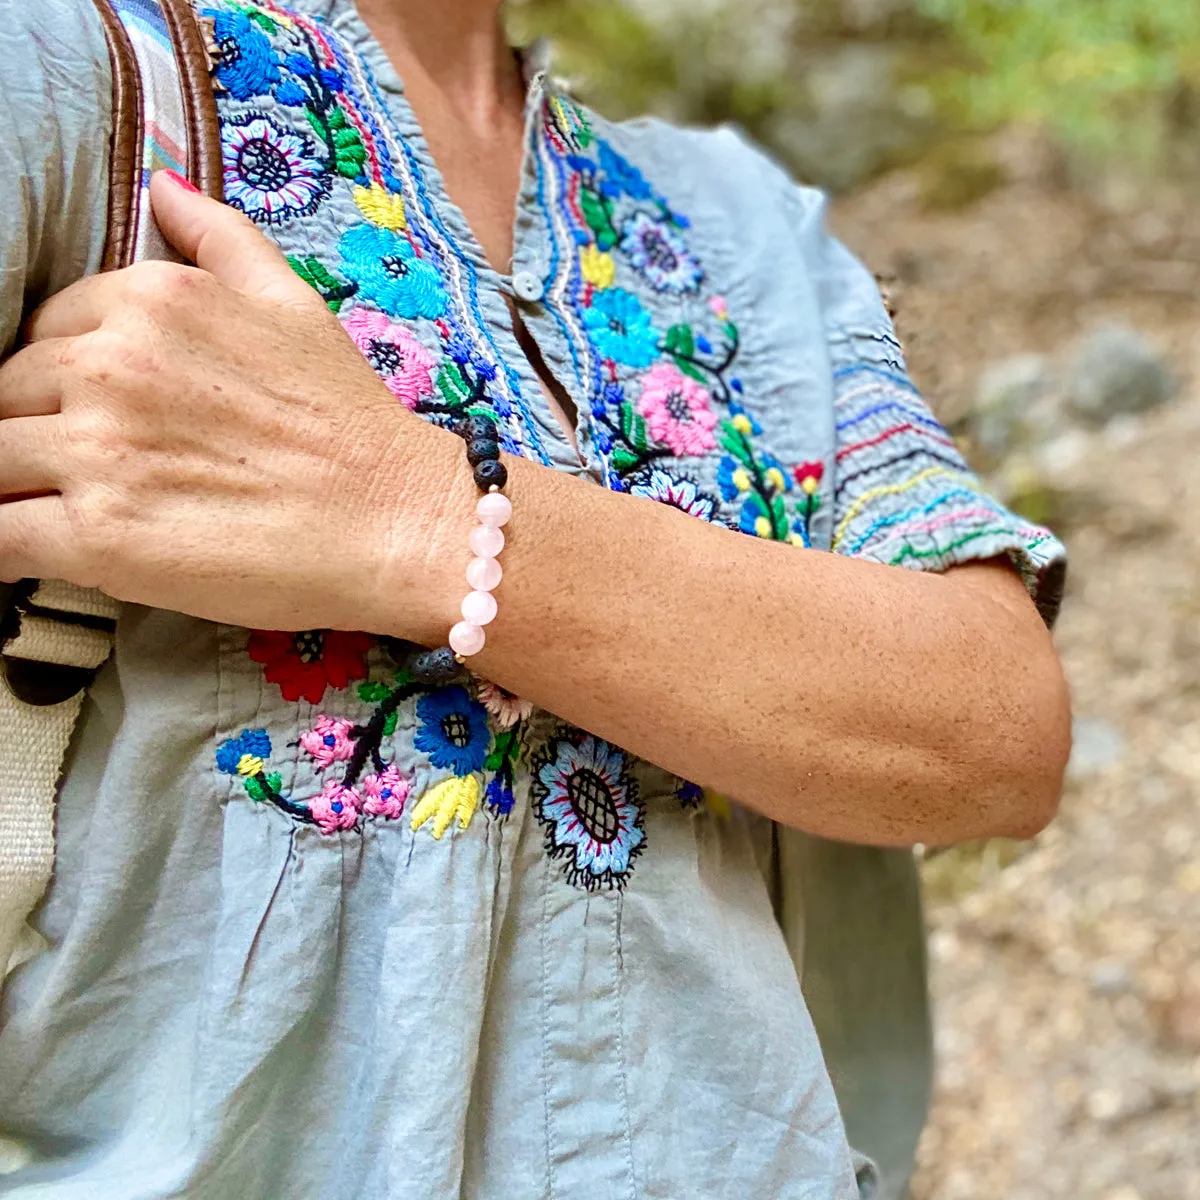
{"x": 1117, "y": 371}
{"x": 1110, "y": 977}
{"x": 1007, "y": 395}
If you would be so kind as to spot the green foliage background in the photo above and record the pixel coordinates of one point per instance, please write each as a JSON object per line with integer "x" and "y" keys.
{"x": 845, "y": 88}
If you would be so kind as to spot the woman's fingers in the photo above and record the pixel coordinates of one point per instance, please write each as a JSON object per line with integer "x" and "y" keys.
{"x": 35, "y": 540}
{"x": 76, "y": 310}
{"x": 31, "y": 459}
{"x": 30, "y": 381}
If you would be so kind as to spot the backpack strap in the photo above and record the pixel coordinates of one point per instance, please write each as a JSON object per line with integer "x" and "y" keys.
{"x": 54, "y": 636}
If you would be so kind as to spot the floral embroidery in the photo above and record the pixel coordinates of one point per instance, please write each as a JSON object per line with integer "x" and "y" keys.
{"x": 329, "y": 741}
{"x": 381, "y": 207}
{"x": 808, "y": 476}
{"x": 270, "y": 174}
{"x": 386, "y": 794}
{"x": 659, "y": 254}
{"x": 244, "y": 61}
{"x": 678, "y": 493}
{"x": 454, "y": 730}
{"x": 691, "y": 795}
{"x": 622, "y": 328}
{"x": 403, "y": 364}
{"x": 390, "y": 274}
{"x": 305, "y": 664}
{"x": 456, "y": 797}
{"x": 503, "y": 707}
{"x": 677, "y": 411}
{"x": 335, "y": 808}
{"x": 591, "y": 811}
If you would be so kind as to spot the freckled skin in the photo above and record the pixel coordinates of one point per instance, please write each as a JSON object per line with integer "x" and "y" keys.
{"x": 209, "y": 440}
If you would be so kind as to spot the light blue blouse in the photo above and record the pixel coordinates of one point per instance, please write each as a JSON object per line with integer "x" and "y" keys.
{"x": 317, "y": 931}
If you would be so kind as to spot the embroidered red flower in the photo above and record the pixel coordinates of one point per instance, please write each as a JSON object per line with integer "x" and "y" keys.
{"x": 304, "y": 664}
{"x": 808, "y": 476}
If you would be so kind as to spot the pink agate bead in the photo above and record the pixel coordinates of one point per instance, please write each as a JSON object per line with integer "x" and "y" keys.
{"x": 484, "y": 574}
{"x": 486, "y": 541}
{"x": 479, "y": 608}
{"x": 467, "y": 639}
{"x": 494, "y": 509}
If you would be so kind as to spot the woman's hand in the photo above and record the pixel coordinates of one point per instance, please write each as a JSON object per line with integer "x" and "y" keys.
{"x": 208, "y": 439}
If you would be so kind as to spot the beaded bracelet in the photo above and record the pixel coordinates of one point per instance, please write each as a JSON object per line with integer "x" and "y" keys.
{"x": 484, "y": 572}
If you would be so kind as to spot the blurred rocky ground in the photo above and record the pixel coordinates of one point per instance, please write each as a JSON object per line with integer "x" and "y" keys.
{"x": 1057, "y": 333}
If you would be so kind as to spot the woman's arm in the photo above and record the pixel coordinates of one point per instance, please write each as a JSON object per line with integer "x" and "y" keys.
{"x": 856, "y": 701}
{"x": 210, "y": 441}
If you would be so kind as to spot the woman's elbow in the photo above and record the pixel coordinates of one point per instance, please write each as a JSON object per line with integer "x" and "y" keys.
{"x": 1032, "y": 753}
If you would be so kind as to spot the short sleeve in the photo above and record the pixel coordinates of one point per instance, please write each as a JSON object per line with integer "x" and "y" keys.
{"x": 903, "y": 495}
{"x": 55, "y": 122}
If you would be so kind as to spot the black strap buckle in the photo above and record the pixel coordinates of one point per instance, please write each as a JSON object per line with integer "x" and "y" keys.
{"x": 41, "y": 684}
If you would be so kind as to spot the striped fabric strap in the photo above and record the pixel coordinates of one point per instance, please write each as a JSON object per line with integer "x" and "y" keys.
{"x": 56, "y": 632}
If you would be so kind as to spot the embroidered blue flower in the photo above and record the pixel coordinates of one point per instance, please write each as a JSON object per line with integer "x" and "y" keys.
{"x": 591, "y": 811}
{"x": 690, "y": 794}
{"x": 659, "y": 255}
{"x": 245, "y": 754}
{"x": 454, "y": 731}
{"x": 289, "y": 92}
{"x": 622, "y": 328}
{"x": 390, "y": 274}
{"x": 270, "y": 173}
{"x": 621, "y": 175}
{"x": 499, "y": 796}
{"x": 678, "y": 493}
{"x": 730, "y": 485}
{"x": 246, "y": 63}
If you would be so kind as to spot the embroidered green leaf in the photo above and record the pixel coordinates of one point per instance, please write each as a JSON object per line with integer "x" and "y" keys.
{"x": 389, "y": 725}
{"x": 681, "y": 340}
{"x": 734, "y": 443}
{"x": 504, "y": 747}
{"x": 314, "y": 273}
{"x": 779, "y": 517}
{"x": 624, "y": 459}
{"x": 255, "y": 789}
{"x": 337, "y": 118}
{"x": 260, "y": 18}
{"x": 373, "y": 693}
{"x": 451, "y": 384}
{"x": 634, "y": 427}
{"x": 597, "y": 212}
{"x": 477, "y": 410}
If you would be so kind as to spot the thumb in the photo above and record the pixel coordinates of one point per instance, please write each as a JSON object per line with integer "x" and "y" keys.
{"x": 222, "y": 241}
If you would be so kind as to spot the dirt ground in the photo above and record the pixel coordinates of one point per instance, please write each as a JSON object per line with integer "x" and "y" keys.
{"x": 1066, "y": 973}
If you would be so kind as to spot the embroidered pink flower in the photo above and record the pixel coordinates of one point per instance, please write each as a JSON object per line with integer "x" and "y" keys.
{"x": 335, "y": 808}
{"x": 504, "y": 708}
{"x": 399, "y": 359}
{"x": 677, "y": 410}
{"x": 329, "y": 741}
{"x": 719, "y": 308}
{"x": 386, "y": 794}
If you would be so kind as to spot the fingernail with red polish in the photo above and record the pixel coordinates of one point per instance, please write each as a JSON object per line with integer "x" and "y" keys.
{"x": 186, "y": 184}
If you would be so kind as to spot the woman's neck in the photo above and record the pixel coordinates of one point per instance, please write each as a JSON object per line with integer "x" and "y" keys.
{"x": 452, "y": 55}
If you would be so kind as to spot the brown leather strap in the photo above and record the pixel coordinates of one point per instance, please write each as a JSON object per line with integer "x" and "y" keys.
{"x": 200, "y": 106}
{"x": 125, "y": 163}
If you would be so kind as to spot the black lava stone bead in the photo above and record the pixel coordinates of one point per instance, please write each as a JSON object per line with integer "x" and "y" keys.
{"x": 490, "y": 474}
{"x": 473, "y": 428}
{"x": 481, "y": 449}
{"x": 434, "y": 666}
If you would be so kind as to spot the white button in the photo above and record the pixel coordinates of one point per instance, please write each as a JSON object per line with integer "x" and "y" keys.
{"x": 528, "y": 287}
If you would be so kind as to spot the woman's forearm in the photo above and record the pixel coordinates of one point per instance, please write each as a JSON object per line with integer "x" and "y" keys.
{"x": 855, "y": 701}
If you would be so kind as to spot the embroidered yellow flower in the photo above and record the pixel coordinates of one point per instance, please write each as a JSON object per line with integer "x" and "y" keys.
{"x": 776, "y": 479}
{"x": 453, "y": 797}
{"x": 742, "y": 424}
{"x": 741, "y": 479}
{"x": 250, "y": 764}
{"x": 717, "y": 804}
{"x": 381, "y": 207}
{"x": 762, "y": 527}
{"x": 597, "y": 267}
{"x": 796, "y": 539}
